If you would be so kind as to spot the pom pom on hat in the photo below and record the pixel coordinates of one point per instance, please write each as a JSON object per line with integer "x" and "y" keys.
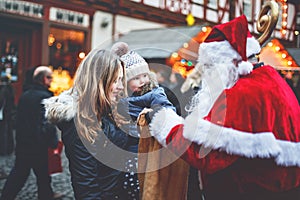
{"x": 245, "y": 68}
{"x": 238, "y": 36}
{"x": 134, "y": 63}
{"x": 120, "y": 48}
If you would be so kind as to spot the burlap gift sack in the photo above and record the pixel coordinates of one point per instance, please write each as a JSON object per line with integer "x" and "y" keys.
{"x": 158, "y": 179}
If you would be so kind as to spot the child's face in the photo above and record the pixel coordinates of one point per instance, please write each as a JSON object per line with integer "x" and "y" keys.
{"x": 137, "y": 82}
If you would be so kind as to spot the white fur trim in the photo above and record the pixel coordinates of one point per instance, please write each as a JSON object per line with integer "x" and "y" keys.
{"x": 216, "y": 52}
{"x": 252, "y": 47}
{"x": 289, "y": 156}
{"x": 245, "y": 68}
{"x": 249, "y": 145}
{"x": 162, "y": 123}
{"x": 62, "y": 107}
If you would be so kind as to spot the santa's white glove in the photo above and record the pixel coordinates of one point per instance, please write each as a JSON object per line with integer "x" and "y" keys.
{"x": 192, "y": 80}
{"x": 162, "y": 123}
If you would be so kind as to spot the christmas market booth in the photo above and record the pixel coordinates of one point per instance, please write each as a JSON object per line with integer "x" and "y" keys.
{"x": 285, "y": 60}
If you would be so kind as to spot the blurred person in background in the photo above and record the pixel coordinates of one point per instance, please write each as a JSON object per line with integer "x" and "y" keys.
{"x": 33, "y": 137}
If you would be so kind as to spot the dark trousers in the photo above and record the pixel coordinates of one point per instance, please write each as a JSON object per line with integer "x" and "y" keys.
{"x": 194, "y": 192}
{"x": 20, "y": 173}
{"x": 6, "y": 137}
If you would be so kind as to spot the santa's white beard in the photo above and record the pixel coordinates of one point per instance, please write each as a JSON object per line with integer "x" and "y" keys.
{"x": 215, "y": 78}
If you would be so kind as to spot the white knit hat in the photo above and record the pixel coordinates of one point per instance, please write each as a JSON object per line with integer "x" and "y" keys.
{"x": 134, "y": 63}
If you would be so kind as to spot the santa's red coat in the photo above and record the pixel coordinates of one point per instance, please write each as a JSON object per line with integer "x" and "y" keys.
{"x": 256, "y": 143}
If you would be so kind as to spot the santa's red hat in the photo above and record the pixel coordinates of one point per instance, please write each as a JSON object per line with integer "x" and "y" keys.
{"x": 236, "y": 33}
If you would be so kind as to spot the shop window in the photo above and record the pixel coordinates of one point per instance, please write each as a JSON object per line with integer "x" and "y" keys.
{"x": 212, "y": 4}
{"x": 298, "y": 22}
{"x": 66, "y": 52}
{"x": 201, "y": 2}
{"x": 8, "y": 61}
{"x": 247, "y": 9}
{"x": 65, "y": 47}
{"x": 279, "y": 23}
{"x": 297, "y": 30}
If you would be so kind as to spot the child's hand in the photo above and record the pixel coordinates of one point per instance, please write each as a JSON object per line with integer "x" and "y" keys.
{"x": 144, "y": 112}
{"x": 149, "y": 113}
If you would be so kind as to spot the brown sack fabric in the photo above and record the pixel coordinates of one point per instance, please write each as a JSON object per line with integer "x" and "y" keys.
{"x": 162, "y": 175}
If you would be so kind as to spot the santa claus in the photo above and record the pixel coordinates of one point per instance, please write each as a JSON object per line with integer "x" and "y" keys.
{"x": 243, "y": 131}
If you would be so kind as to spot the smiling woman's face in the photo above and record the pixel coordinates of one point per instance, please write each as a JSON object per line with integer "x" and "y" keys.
{"x": 117, "y": 86}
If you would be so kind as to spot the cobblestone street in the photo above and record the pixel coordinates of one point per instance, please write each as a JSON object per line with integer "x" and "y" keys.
{"x": 60, "y": 182}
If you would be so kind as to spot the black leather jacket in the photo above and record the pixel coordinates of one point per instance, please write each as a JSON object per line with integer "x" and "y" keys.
{"x": 91, "y": 179}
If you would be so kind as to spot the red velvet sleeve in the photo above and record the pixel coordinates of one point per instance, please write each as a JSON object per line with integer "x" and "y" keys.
{"x": 207, "y": 160}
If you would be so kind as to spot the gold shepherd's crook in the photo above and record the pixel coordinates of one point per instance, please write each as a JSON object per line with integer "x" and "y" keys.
{"x": 267, "y": 20}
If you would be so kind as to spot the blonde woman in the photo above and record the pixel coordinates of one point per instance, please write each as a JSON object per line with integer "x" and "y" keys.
{"x": 94, "y": 144}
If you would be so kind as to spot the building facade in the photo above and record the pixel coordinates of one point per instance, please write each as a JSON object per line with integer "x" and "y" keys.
{"x": 60, "y": 33}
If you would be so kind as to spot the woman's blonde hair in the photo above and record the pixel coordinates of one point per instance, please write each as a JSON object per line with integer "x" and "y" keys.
{"x": 94, "y": 76}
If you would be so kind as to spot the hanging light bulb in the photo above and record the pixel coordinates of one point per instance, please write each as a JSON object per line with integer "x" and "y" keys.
{"x": 81, "y": 55}
{"x": 283, "y": 55}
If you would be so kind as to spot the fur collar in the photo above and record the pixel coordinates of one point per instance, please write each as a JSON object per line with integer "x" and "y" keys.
{"x": 61, "y": 108}
{"x": 145, "y": 89}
